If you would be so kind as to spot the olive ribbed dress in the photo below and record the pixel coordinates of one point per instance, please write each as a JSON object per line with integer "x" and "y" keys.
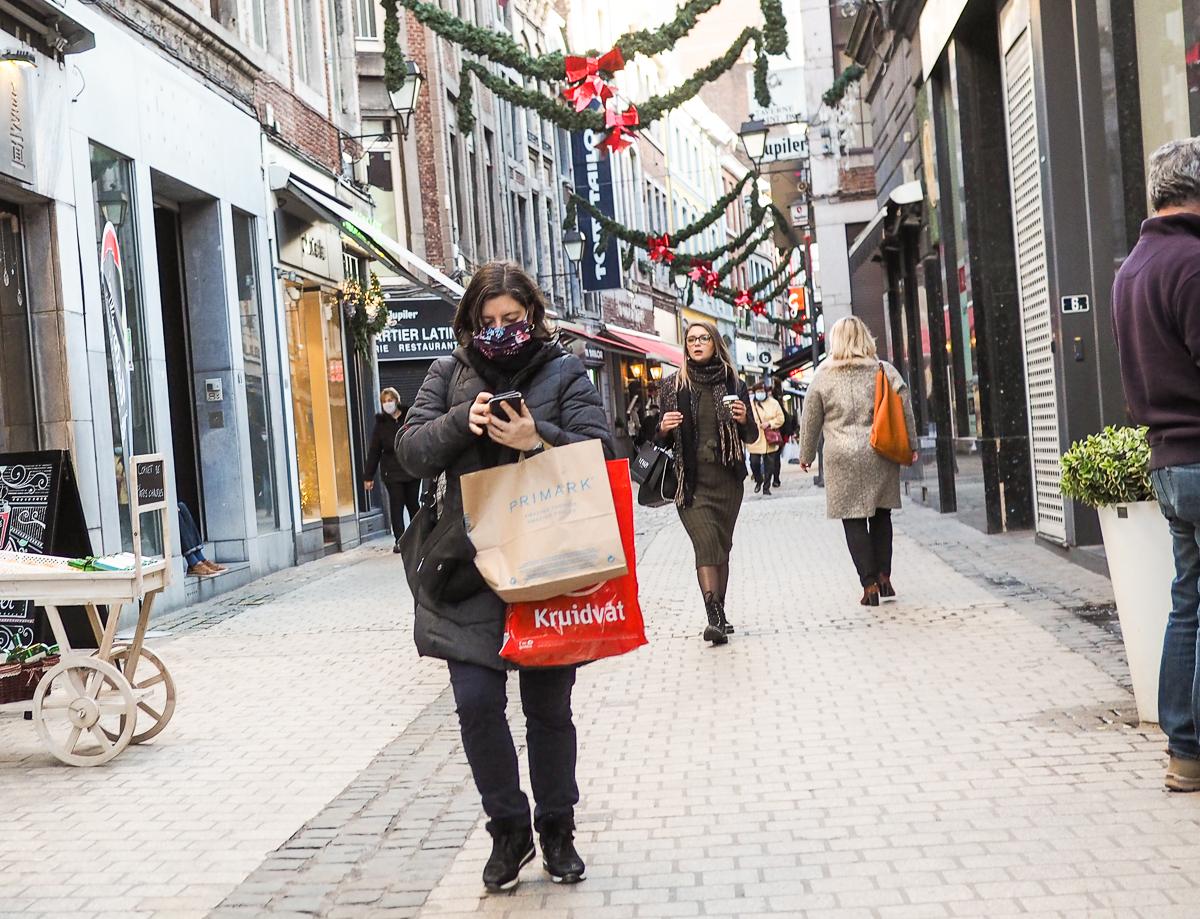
{"x": 719, "y": 490}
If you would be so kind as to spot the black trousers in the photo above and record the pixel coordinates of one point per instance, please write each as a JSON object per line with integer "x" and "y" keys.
{"x": 870, "y": 542}
{"x": 481, "y": 696}
{"x": 402, "y": 496}
{"x": 765, "y": 466}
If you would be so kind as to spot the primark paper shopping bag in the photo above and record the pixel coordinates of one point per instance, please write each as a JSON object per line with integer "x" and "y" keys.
{"x": 586, "y": 624}
{"x": 546, "y": 525}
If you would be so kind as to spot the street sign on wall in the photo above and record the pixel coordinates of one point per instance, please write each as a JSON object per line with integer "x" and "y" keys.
{"x": 420, "y": 330}
{"x": 601, "y": 268}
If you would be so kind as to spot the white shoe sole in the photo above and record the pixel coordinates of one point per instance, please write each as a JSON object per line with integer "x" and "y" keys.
{"x": 504, "y": 888}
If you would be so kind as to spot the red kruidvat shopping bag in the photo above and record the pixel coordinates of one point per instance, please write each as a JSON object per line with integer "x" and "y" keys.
{"x": 589, "y": 623}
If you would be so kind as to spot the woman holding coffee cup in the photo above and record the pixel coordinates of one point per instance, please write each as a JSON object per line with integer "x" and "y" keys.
{"x": 707, "y": 423}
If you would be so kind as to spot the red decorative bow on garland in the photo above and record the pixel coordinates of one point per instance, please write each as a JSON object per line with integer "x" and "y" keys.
{"x": 759, "y": 308}
{"x": 584, "y": 73}
{"x": 742, "y": 300}
{"x": 702, "y": 273}
{"x": 660, "y": 248}
{"x": 798, "y": 328}
{"x": 619, "y": 136}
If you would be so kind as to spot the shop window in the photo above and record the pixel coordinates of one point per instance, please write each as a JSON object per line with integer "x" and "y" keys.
{"x": 306, "y": 39}
{"x": 131, "y": 403}
{"x": 365, "y": 21}
{"x": 18, "y": 404}
{"x": 299, "y": 349}
{"x": 258, "y": 402}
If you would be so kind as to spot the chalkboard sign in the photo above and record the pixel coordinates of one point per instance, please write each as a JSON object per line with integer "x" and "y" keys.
{"x": 40, "y": 513}
{"x": 151, "y": 479}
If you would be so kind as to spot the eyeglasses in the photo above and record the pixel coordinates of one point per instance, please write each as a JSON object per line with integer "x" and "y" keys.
{"x": 698, "y": 339}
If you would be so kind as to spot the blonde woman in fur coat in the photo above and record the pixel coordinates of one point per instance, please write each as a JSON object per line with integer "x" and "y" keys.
{"x": 862, "y": 488}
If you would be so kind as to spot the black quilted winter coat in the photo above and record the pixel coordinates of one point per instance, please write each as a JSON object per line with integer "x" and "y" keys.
{"x": 436, "y": 439}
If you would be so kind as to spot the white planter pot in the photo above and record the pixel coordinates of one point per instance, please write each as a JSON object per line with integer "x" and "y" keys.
{"x": 1137, "y": 542}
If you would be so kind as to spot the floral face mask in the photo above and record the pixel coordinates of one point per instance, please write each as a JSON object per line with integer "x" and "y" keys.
{"x": 503, "y": 341}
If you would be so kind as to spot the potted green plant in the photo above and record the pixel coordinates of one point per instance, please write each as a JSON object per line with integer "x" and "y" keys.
{"x": 1110, "y": 471}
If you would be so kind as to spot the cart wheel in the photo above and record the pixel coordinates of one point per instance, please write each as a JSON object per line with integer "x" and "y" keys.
{"x": 156, "y": 701}
{"x": 84, "y": 711}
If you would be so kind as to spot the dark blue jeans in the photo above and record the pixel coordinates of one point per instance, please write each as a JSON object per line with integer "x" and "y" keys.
{"x": 481, "y": 696}
{"x": 1178, "y": 490}
{"x": 189, "y": 535}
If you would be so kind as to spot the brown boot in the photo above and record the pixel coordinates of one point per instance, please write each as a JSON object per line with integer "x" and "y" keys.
{"x": 870, "y": 595}
{"x": 886, "y": 589}
{"x": 1183, "y": 774}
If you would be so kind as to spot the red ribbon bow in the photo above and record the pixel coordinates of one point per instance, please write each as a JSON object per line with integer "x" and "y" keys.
{"x": 620, "y": 136}
{"x": 798, "y": 328}
{"x": 743, "y": 299}
{"x": 585, "y": 72}
{"x": 699, "y": 270}
{"x": 660, "y": 248}
{"x": 759, "y": 308}
{"x": 712, "y": 280}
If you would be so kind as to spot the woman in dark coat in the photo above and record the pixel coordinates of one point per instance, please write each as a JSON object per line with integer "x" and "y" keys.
{"x": 707, "y": 420}
{"x": 505, "y": 345}
{"x": 404, "y": 492}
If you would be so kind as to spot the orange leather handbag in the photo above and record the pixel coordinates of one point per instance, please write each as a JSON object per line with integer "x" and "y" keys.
{"x": 889, "y": 430}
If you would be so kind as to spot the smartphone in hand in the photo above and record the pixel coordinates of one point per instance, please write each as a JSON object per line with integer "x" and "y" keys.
{"x": 513, "y": 399}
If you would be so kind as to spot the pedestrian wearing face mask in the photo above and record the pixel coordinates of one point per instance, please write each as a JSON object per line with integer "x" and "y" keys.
{"x": 505, "y": 346}
{"x": 403, "y": 490}
{"x": 765, "y": 452}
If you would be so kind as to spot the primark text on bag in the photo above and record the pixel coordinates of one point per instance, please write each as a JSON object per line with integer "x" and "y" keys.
{"x": 545, "y": 525}
{"x": 587, "y": 624}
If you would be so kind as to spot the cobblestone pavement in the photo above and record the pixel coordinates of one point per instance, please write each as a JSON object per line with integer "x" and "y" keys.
{"x": 964, "y": 751}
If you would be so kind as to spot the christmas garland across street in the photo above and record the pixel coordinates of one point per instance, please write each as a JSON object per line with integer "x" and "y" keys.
{"x": 501, "y": 48}
{"x": 600, "y": 119}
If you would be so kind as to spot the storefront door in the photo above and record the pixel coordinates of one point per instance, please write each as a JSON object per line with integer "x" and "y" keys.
{"x": 18, "y": 403}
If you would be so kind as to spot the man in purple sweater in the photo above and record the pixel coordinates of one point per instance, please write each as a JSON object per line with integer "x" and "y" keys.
{"x": 1156, "y": 317}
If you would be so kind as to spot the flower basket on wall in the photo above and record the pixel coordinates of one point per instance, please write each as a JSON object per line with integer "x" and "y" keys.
{"x": 1110, "y": 471}
{"x": 366, "y": 312}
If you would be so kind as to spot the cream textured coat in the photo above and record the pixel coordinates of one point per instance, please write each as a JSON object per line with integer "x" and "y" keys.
{"x": 841, "y": 404}
{"x": 766, "y": 413}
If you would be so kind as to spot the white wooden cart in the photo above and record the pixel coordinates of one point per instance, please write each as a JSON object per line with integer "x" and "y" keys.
{"x": 95, "y": 702}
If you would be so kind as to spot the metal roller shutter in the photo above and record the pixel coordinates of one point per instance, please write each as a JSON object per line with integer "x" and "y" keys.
{"x": 1033, "y": 285}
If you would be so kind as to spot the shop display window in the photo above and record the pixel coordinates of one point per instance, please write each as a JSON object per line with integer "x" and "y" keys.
{"x": 130, "y": 387}
{"x": 299, "y": 348}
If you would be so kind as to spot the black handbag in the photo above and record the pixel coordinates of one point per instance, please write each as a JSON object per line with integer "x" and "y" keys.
{"x": 439, "y": 559}
{"x": 654, "y": 470}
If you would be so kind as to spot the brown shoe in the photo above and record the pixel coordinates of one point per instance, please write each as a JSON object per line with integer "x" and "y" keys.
{"x": 1183, "y": 774}
{"x": 200, "y": 571}
{"x": 214, "y": 568}
{"x": 886, "y": 590}
{"x": 870, "y": 595}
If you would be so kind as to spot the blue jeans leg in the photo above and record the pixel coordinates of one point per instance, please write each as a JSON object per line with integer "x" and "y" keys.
{"x": 551, "y": 740}
{"x": 1178, "y": 490}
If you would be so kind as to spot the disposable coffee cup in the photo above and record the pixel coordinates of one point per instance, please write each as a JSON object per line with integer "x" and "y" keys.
{"x": 729, "y": 400}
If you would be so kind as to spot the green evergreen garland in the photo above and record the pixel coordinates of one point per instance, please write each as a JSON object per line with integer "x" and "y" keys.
{"x": 553, "y": 109}
{"x": 394, "y": 69}
{"x": 610, "y": 227}
{"x": 837, "y": 91}
{"x": 501, "y": 48}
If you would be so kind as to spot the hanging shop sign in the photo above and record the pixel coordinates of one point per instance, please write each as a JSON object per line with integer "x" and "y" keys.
{"x": 314, "y": 249}
{"x": 421, "y": 329}
{"x": 601, "y": 268}
{"x": 16, "y": 125}
{"x": 590, "y": 353}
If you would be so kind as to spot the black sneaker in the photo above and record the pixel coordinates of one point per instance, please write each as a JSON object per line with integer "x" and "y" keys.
{"x": 512, "y": 850}
{"x": 559, "y": 857}
{"x": 757, "y": 487}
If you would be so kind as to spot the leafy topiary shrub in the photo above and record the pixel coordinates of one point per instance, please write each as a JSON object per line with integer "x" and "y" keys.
{"x": 1112, "y": 467}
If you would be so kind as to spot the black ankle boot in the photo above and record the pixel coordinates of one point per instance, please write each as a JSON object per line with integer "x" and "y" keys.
{"x": 725, "y": 623}
{"x": 512, "y": 850}
{"x": 559, "y": 857}
{"x": 715, "y": 630}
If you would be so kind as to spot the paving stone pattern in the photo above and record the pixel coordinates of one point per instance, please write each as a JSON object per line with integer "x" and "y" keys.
{"x": 964, "y": 751}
